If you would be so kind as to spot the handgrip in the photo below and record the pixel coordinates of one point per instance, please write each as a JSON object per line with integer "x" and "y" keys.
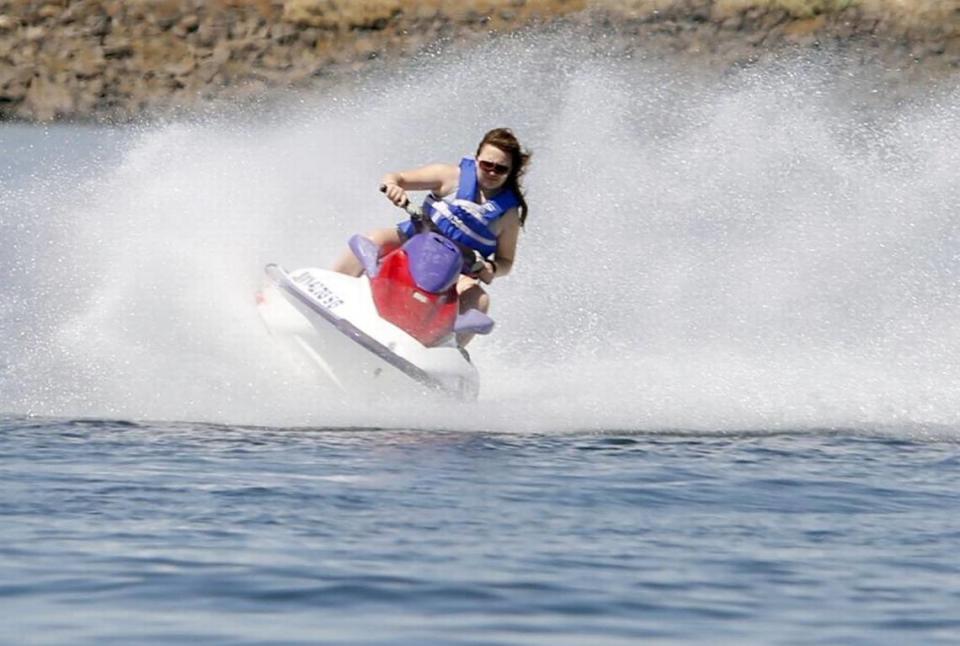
{"x": 414, "y": 211}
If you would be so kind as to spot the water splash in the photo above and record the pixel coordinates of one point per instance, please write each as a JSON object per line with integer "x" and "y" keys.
{"x": 774, "y": 248}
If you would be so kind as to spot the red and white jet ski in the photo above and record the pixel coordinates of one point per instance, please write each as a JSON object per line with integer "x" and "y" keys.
{"x": 393, "y": 326}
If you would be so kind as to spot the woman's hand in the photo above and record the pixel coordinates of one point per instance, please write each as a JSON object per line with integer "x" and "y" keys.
{"x": 487, "y": 273}
{"x": 395, "y": 194}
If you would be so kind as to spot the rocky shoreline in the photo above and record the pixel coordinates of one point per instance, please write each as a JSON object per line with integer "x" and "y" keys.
{"x": 113, "y": 61}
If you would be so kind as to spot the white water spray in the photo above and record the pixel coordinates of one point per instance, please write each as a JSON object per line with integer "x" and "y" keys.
{"x": 779, "y": 248}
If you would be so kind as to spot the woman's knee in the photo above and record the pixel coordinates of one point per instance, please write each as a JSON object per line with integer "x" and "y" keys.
{"x": 474, "y": 297}
{"x": 483, "y": 303}
{"x": 385, "y": 237}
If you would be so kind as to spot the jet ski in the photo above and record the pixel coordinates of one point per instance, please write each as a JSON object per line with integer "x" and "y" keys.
{"x": 392, "y": 327}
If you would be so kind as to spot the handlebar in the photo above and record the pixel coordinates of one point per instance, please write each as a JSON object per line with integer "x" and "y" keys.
{"x": 473, "y": 262}
{"x": 414, "y": 211}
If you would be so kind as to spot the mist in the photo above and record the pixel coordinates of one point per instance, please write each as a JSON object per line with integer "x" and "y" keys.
{"x": 773, "y": 248}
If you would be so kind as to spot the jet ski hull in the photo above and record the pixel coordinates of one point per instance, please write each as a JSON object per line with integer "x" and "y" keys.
{"x": 330, "y": 319}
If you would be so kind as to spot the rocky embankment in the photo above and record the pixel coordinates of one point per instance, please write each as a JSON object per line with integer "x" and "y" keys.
{"x": 116, "y": 60}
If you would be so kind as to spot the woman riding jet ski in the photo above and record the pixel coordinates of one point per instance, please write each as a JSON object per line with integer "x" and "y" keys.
{"x": 402, "y": 302}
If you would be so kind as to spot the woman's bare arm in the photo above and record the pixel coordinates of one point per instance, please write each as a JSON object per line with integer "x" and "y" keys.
{"x": 439, "y": 178}
{"x": 506, "y": 245}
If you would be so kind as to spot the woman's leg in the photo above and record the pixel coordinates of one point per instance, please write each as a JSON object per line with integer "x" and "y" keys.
{"x": 387, "y": 239}
{"x": 472, "y": 296}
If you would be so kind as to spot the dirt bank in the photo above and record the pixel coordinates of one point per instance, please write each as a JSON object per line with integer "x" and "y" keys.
{"x": 117, "y": 60}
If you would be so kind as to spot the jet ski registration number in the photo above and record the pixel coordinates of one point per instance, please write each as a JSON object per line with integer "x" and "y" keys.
{"x": 318, "y": 290}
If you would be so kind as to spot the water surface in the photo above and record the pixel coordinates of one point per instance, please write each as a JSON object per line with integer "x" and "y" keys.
{"x": 121, "y": 532}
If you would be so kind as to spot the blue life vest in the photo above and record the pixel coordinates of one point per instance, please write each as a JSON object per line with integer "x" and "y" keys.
{"x": 462, "y": 218}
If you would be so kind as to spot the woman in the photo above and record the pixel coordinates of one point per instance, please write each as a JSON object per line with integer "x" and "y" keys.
{"x": 478, "y": 204}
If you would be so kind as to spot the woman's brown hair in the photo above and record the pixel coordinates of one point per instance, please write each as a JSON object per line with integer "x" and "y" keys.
{"x": 506, "y": 141}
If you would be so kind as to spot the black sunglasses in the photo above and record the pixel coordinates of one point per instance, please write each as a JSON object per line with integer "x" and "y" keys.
{"x": 491, "y": 167}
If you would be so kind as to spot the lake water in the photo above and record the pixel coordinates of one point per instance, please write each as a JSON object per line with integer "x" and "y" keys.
{"x": 722, "y": 403}
{"x": 116, "y": 532}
